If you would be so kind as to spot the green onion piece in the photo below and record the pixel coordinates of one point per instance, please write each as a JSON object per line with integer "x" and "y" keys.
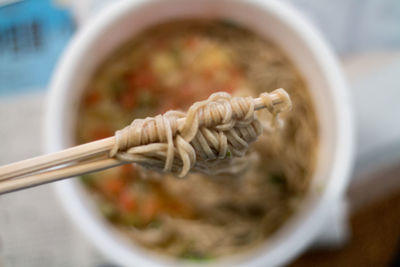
{"x": 108, "y": 210}
{"x": 277, "y": 179}
{"x": 87, "y": 180}
{"x": 195, "y": 256}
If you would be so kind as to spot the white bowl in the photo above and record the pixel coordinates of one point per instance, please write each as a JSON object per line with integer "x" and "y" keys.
{"x": 274, "y": 20}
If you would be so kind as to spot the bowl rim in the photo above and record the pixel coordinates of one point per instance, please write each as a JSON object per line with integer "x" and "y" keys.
{"x": 309, "y": 226}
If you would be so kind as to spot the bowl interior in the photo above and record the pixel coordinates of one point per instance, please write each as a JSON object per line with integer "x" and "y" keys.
{"x": 273, "y": 21}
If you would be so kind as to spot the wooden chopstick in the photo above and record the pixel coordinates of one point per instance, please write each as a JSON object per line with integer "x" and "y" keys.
{"x": 57, "y": 174}
{"x": 50, "y": 160}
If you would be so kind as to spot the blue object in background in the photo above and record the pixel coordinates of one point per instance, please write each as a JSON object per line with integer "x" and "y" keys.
{"x": 33, "y": 33}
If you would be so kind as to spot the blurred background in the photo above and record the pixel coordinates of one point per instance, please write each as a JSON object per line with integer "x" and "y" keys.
{"x": 34, "y": 230}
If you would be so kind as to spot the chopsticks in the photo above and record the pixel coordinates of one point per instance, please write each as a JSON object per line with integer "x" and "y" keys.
{"x": 71, "y": 162}
{"x": 76, "y": 153}
{"x": 7, "y": 186}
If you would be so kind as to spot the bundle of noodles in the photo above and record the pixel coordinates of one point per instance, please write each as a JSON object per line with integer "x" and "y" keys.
{"x": 213, "y": 137}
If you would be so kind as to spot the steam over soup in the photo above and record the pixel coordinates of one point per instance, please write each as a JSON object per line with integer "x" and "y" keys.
{"x": 170, "y": 66}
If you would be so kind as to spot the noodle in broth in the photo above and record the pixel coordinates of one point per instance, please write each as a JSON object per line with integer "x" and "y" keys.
{"x": 170, "y": 66}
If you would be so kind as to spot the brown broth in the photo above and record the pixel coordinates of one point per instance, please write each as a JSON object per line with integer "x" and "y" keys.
{"x": 170, "y": 66}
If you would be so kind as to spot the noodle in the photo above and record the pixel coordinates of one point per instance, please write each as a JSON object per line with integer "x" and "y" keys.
{"x": 213, "y": 129}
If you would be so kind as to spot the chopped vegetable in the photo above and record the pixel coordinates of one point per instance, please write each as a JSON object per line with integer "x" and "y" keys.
{"x": 108, "y": 210}
{"x": 87, "y": 179}
{"x": 143, "y": 78}
{"x": 191, "y": 42}
{"x": 111, "y": 186}
{"x": 145, "y": 98}
{"x": 163, "y": 63}
{"x": 277, "y": 179}
{"x": 92, "y": 98}
{"x": 100, "y": 133}
{"x": 195, "y": 256}
{"x": 118, "y": 87}
{"x": 154, "y": 224}
{"x": 127, "y": 201}
{"x": 149, "y": 207}
{"x": 131, "y": 219}
{"x": 128, "y": 170}
{"x": 128, "y": 100}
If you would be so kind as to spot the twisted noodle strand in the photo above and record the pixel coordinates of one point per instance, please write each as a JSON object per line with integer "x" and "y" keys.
{"x": 215, "y": 133}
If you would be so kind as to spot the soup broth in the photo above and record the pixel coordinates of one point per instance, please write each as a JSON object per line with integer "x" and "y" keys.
{"x": 170, "y": 66}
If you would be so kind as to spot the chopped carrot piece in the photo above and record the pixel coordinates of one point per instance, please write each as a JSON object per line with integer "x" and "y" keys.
{"x": 128, "y": 100}
{"x": 178, "y": 208}
{"x": 142, "y": 79}
{"x": 100, "y": 133}
{"x": 191, "y": 42}
{"x": 149, "y": 208}
{"x": 92, "y": 98}
{"x": 112, "y": 187}
{"x": 126, "y": 201}
{"x": 127, "y": 168}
